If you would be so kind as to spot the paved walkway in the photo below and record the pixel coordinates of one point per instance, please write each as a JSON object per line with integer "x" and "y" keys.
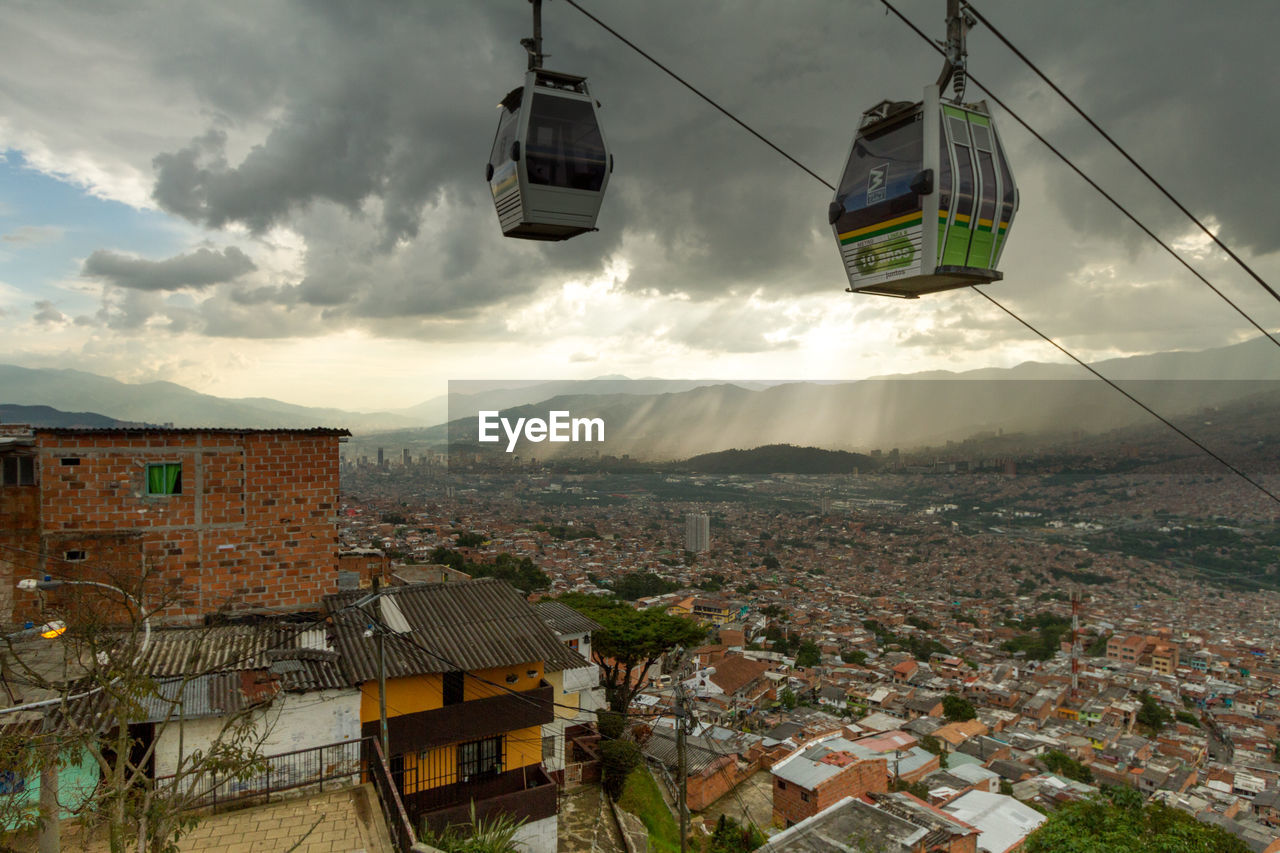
{"x": 586, "y": 825}
{"x": 345, "y": 821}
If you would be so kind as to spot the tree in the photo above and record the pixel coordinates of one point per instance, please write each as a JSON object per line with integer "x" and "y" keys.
{"x": 102, "y": 687}
{"x": 1152, "y": 716}
{"x": 1117, "y": 821}
{"x": 1064, "y": 765}
{"x": 809, "y": 654}
{"x": 732, "y": 837}
{"x": 855, "y": 656}
{"x": 957, "y": 709}
{"x": 788, "y": 698}
{"x": 630, "y": 641}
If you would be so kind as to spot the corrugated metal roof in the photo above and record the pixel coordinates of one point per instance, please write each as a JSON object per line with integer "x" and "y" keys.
{"x": 563, "y": 619}
{"x": 466, "y": 625}
{"x": 176, "y": 652}
{"x": 179, "y": 651}
{"x": 211, "y": 695}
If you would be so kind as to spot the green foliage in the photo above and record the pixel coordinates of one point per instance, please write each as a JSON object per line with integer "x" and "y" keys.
{"x": 1044, "y": 636}
{"x": 469, "y": 540}
{"x": 809, "y": 654}
{"x": 1187, "y": 717}
{"x": 915, "y": 789}
{"x": 957, "y": 709}
{"x": 732, "y": 837}
{"x": 788, "y": 698}
{"x": 857, "y": 656}
{"x": 781, "y": 459}
{"x": 922, "y": 624}
{"x": 1116, "y": 821}
{"x": 496, "y": 834}
{"x": 617, "y": 759}
{"x": 641, "y": 797}
{"x": 1064, "y": 765}
{"x": 630, "y": 641}
{"x": 1006, "y": 787}
{"x": 611, "y": 724}
{"x": 520, "y": 572}
{"x": 770, "y": 562}
{"x": 563, "y": 532}
{"x": 1152, "y": 716}
{"x": 1098, "y": 648}
{"x": 635, "y": 585}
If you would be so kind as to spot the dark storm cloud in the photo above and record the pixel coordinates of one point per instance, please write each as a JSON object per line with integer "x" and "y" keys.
{"x": 197, "y": 269}
{"x": 364, "y": 128}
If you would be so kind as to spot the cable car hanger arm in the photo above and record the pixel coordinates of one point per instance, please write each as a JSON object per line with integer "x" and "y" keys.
{"x": 959, "y": 22}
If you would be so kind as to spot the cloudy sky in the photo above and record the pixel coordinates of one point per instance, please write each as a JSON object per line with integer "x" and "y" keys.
{"x": 286, "y": 199}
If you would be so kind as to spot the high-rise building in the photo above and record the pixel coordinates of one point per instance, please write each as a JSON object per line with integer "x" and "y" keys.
{"x": 697, "y": 532}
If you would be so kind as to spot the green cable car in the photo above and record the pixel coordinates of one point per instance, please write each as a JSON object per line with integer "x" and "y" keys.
{"x": 927, "y": 198}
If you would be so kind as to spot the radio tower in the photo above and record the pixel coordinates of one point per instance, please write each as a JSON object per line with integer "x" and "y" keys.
{"x": 1075, "y": 643}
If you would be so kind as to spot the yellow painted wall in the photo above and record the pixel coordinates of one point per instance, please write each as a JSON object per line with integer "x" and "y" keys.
{"x": 562, "y": 699}
{"x": 439, "y": 766}
{"x": 426, "y": 692}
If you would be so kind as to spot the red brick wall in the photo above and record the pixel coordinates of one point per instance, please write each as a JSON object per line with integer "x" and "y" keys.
{"x": 254, "y": 526}
{"x": 19, "y": 542}
{"x": 793, "y": 803}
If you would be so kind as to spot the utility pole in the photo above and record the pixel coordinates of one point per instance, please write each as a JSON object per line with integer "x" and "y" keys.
{"x": 682, "y": 794}
{"x": 382, "y": 686}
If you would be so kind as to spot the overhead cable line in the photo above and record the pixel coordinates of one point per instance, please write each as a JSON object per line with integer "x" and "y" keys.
{"x": 1123, "y": 153}
{"x": 1090, "y": 181}
{"x": 1134, "y": 399}
{"x": 683, "y": 82}
{"x": 989, "y": 298}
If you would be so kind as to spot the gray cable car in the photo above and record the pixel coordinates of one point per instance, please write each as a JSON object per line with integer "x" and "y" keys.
{"x": 927, "y": 197}
{"x": 549, "y": 166}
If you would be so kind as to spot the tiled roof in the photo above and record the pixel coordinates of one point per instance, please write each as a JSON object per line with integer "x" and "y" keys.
{"x": 467, "y": 625}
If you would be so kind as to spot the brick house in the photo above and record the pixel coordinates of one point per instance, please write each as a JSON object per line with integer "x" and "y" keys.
{"x": 223, "y": 518}
{"x": 821, "y": 774}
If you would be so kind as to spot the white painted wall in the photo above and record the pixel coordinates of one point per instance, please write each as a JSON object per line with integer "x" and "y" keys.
{"x": 293, "y": 721}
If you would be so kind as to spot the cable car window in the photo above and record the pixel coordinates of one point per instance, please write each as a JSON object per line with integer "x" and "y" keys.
{"x": 964, "y": 183}
{"x": 944, "y": 176}
{"x": 981, "y": 137}
{"x": 987, "y": 170}
{"x": 502, "y": 140}
{"x": 564, "y": 145}
{"x": 1010, "y": 192}
{"x": 877, "y": 180}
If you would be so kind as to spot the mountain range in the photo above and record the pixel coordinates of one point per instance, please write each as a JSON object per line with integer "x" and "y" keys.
{"x": 675, "y": 419}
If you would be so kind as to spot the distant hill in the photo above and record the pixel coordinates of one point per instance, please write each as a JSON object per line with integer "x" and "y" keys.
{"x": 167, "y": 402}
{"x": 779, "y": 459}
{"x": 45, "y": 416}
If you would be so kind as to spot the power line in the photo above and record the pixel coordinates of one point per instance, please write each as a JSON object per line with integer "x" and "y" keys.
{"x": 1048, "y": 145}
{"x": 1132, "y": 398}
{"x": 683, "y": 82}
{"x": 1118, "y": 206}
{"x": 999, "y": 35}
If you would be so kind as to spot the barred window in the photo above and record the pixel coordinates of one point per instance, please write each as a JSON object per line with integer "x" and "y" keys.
{"x": 480, "y": 758}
